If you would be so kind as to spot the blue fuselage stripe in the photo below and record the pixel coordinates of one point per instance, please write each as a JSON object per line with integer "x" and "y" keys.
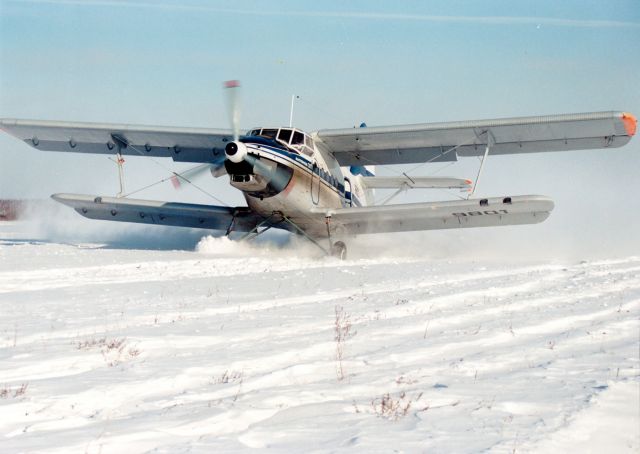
{"x": 301, "y": 161}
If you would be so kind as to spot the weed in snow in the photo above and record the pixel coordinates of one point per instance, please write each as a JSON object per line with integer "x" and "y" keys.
{"x": 342, "y": 328}
{"x": 228, "y": 377}
{"x": 112, "y": 350}
{"x": 7, "y": 392}
{"x": 394, "y": 408}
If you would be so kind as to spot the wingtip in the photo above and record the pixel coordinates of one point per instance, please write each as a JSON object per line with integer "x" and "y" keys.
{"x": 59, "y": 197}
{"x": 62, "y": 197}
{"x": 630, "y": 123}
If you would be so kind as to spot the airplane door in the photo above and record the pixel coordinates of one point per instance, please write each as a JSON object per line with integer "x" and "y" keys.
{"x": 315, "y": 184}
{"x": 347, "y": 192}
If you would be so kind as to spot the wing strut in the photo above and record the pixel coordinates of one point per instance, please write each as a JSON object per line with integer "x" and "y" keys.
{"x": 490, "y": 142}
{"x": 403, "y": 187}
{"x": 275, "y": 220}
{"x": 120, "y": 162}
{"x": 122, "y": 144}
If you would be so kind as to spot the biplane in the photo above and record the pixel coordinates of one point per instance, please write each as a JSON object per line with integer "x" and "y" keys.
{"x": 320, "y": 184}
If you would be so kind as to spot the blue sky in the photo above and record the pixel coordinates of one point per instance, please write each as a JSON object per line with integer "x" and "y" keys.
{"x": 383, "y": 62}
{"x": 163, "y": 62}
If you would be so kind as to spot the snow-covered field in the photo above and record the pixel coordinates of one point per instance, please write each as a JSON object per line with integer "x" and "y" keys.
{"x": 234, "y": 347}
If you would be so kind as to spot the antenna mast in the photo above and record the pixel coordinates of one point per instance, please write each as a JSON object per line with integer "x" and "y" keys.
{"x": 293, "y": 98}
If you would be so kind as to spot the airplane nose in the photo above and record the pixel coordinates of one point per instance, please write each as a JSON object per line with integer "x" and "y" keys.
{"x": 235, "y": 151}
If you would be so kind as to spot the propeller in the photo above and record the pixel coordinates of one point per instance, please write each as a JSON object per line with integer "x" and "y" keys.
{"x": 216, "y": 170}
{"x": 235, "y": 151}
{"x": 232, "y": 88}
{"x": 278, "y": 176}
{"x": 259, "y": 166}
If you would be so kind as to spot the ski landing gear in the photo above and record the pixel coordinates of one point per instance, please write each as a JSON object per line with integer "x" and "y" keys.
{"x": 337, "y": 249}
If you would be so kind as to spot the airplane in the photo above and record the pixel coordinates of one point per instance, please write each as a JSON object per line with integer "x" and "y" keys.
{"x": 320, "y": 185}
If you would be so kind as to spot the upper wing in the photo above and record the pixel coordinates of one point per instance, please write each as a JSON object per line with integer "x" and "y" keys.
{"x": 435, "y": 141}
{"x": 181, "y": 144}
{"x": 528, "y": 209}
{"x": 161, "y": 213}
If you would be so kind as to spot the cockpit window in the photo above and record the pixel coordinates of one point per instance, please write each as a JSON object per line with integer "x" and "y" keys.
{"x": 284, "y": 135}
{"x": 254, "y": 132}
{"x": 298, "y": 138}
{"x": 269, "y": 133}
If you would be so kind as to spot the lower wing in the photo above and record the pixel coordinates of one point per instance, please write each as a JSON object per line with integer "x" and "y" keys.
{"x": 240, "y": 219}
{"x": 497, "y": 211}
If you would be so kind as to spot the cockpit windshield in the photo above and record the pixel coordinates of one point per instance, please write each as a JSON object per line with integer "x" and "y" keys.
{"x": 268, "y": 133}
{"x": 284, "y": 135}
{"x": 298, "y": 138}
{"x": 294, "y": 139}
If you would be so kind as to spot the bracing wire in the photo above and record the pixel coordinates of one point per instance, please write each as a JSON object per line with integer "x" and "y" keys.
{"x": 173, "y": 175}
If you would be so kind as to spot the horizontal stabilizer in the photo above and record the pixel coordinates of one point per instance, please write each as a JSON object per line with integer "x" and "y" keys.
{"x": 160, "y": 213}
{"x": 415, "y": 182}
{"x": 455, "y": 214}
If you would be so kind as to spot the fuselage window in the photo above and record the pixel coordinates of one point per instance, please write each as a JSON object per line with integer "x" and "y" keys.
{"x": 308, "y": 149}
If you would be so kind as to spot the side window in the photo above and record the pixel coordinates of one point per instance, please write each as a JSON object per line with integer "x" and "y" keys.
{"x": 308, "y": 142}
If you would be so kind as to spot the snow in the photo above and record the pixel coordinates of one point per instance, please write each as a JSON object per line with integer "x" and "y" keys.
{"x": 615, "y": 412}
{"x": 232, "y": 347}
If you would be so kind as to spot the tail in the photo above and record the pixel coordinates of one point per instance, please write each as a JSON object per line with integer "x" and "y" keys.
{"x": 361, "y": 189}
{"x": 364, "y": 193}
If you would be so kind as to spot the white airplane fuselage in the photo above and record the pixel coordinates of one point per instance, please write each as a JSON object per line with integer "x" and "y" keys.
{"x": 296, "y": 182}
